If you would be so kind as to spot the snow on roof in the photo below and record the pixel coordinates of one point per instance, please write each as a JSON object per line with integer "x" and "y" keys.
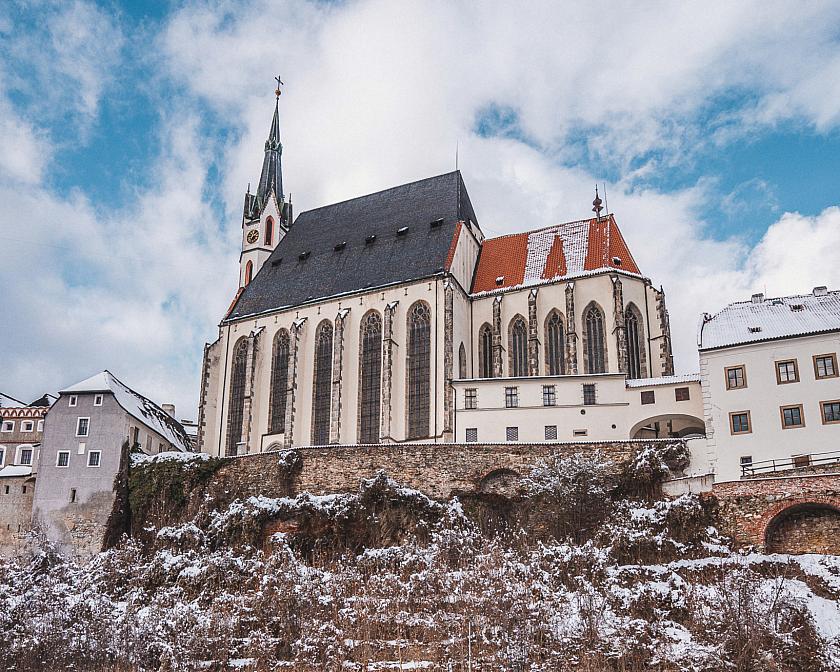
{"x": 761, "y": 319}
{"x": 136, "y": 405}
{"x": 7, "y": 472}
{"x": 664, "y": 380}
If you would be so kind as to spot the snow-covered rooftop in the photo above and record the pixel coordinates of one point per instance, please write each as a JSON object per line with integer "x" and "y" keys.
{"x": 761, "y": 319}
{"x": 664, "y": 380}
{"x": 15, "y": 470}
{"x": 136, "y": 405}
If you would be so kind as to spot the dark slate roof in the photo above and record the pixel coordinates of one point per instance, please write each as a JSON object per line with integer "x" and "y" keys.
{"x": 286, "y": 280}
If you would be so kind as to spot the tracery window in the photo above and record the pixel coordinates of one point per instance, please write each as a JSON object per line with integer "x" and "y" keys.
{"x": 593, "y": 321}
{"x": 269, "y": 230}
{"x": 279, "y": 383}
{"x": 236, "y": 406}
{"x": 322, "y": 384}
{"x": 419, "y": 350}
{"x": 370, "y": 378}
{"x": 462, "y": 362}
{"x": 485, "y": 351}
{"x": 555, "y": 360}
{"x": 518, "y": 347}
{"x": 635, "y": 343}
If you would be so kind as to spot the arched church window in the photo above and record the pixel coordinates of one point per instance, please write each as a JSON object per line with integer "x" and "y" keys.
{"x": 418, "y": 361}
{"x": 370, "y": 378}
{"x": 518, "y": 347}
{"x": 636, "y": 365}
{"x": 322, "y": 384}
{"x": 249, "y": 270}
{"x": 485, "y": 351}
{"x": 462, "y": 362}
{"x": 279, "y": 383}
{"x": 269, "y": 230}
{"x": 236, "y": 406}
{"x": 595, "y": 354}
{"x": 555, "y": 360}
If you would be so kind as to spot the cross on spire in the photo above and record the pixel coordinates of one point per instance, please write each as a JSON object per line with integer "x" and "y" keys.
{"x": 279, "y": 84}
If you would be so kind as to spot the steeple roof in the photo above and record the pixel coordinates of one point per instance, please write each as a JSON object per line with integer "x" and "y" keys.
{"x": 271, "y": 178}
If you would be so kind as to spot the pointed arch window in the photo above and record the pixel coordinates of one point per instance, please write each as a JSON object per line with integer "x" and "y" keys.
{"x": 485, "y": 351}
{"x": 462, "y": 362}
{"x": 249, "y": 271}
{"x": 236, "y": 405}
{"x": 419, "y": 352}
{"x": 595, "y": 353}
{"x": 555, "y": 359}
{"x": 279, "y": 383}
{"x": 518, "y": 347}
{"x": 636, "y": 360}
{"x": 322, "y": 384}
{"x": 370, "y": 378}
{"x": 269, "y": 230}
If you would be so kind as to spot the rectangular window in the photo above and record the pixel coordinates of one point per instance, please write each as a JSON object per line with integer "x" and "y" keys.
{"x": 161, "y": 448}
{"x": 589, "y": 394}
{"x": 63, "y": 458}
{"x": 736, "y": 377}
{"x": 682, "y": 394}
{"x": 792, "y": 416}
{"x": 26, "y": 456}
{"x": 746, "y": 461}
{"x": 787, "y": 372}
{"x": 94, "y": 457}
{"x": 8, "y": 426}
{"x": 648, "y": 397}
{"x": 471, "y": 398}
{"x": 549, "y": 395}
{"x": 27, "y": 426}
{"x": 73, "y": 400}
{"x": 551, "y": 432}
{"x": 825, "y": 366}
{"x": 97, "y": 400}
{"x": 72, "y": 495}
{"x": 82, "y": 426}
{"x": 23, "y": 489}
{"x": 739, "y": 422}
{"x": 801, "y": 461}
{"x": 511, "y": 397}
{"x": 830, "y": 411}
{"x": 580, "y": 432}
{"x": 7, "y": 490}
{"x": 472, "y": 434}
{"x": 512, "y": 433}
{"x": 2, "y": 455}
{"x": 40, "y": 425}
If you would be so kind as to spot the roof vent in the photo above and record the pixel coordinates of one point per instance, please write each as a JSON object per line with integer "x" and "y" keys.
{"x": 796, "y": 307}
{"x": 303, "y": 256}
{"x": 340, "y": 246}
{"x": 757, "y": 298}
{"x": 402, "y": 231}
{"x": 436, "y": 223}
{"x": 500, "y": 280}
{"x": 370, "y": 239}
{"x": 754, "y": 330}
{"x": 822, "y": 290}
{"x": 617, "y": 261}
{"x": 277, "y": 262}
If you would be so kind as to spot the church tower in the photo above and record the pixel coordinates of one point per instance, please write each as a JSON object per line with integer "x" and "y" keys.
{"x": 266, "y": 216}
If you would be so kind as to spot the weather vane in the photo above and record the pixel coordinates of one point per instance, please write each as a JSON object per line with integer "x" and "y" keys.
{"x": 279, "y": 84}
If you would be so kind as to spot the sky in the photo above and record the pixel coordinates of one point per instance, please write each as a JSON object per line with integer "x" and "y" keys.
{"x": 130, "y": 131}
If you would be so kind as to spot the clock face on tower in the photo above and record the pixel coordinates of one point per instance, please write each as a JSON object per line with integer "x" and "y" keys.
{"x": 252, "y": 236}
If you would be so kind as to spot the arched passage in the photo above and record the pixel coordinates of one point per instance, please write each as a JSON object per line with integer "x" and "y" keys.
{"x": 672, "y": 425}
{"x": 804, "y": 526}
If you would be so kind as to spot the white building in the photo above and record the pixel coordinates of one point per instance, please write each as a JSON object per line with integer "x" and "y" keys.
{"x": 362, "y": 321}
{"x": 770, "y": 382}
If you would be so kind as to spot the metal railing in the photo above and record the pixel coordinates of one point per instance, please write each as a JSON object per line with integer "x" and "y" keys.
{"x": 794, "y": 462}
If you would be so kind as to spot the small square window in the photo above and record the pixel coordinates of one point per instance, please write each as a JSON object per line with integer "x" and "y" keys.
{"x": 551, "y": 432}
{"x": 73, "y": 400}
{"x": 792, "y": 416}
{"x": 746, "y": 461}
{"x": 63, "y": 458}
{"x": 580, "y": 432}
{"x": 589, "y": 394}
{"x": 512, "y": 433}
{"x": 94, "y": 457}
{"x": 830, "y": 411}
{"x": 648, "y": 397}
{"x": 26, "y": 456}
{"x": 8, "y": 426}
{"x": 739, "y": 422}
{"x": 825, "y": 366}
{"x": 801, "y": 461}
{"x": 471, "y": 398}
{"x": 82, "y": 426}
{"x": 549, "y": 395}
{"x": 472, "y": 434}
{"x": 511, "y": 397}
{"x": 97, "y": 400}
{"x": 682, "y": 394}
{"x": 736, "y": 377}
{"x": 27, "y": 426}
{"x": 787, "y": 372}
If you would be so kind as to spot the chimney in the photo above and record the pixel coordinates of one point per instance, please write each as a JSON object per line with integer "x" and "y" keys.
{"x": 822, "y": 290}
{"x": 758, "y": 298}
{"x": 169, "y": 409}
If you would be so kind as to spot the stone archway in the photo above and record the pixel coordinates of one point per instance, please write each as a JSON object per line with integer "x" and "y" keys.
{"x": 669, "y": 425}
{"x": 501, "y": 482}
{"x": 803, "y": 526}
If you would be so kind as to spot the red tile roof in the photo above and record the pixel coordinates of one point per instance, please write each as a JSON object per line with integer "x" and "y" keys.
{"x": 563, "y": 250}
